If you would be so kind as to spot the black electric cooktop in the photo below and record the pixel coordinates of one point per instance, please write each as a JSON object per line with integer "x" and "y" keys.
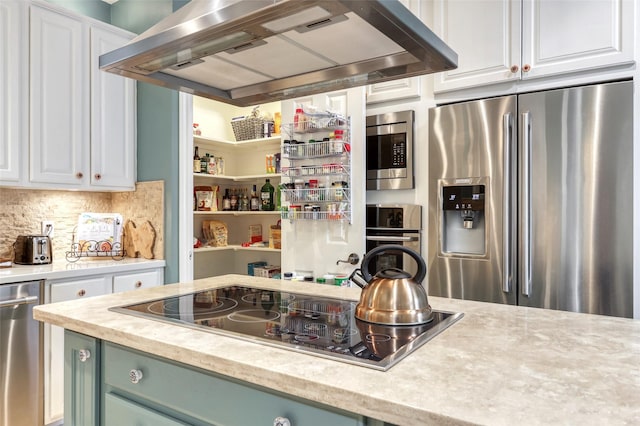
{"x": 320, "y": 326}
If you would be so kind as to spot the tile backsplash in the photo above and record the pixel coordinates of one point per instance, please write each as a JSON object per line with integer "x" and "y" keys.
{"x": 22, "y": 211}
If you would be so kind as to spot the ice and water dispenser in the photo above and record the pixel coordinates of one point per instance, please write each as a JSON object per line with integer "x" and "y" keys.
{"x": 463, "y": 219}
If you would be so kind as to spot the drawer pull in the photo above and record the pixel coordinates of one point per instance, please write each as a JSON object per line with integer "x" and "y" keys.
{"x": 526, "y": 68}
{"x": 79, "y": 175}
{"x": 84, "y": 355}
{"x": 138, "y": 284}
{"x": 281, "y": 421}
{"x": 514, "y": 69}
{"x": 135, "y": 376}
{"x": 81, "y": 292}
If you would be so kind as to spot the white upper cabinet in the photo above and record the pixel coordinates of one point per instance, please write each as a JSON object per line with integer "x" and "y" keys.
{"x": 82, "y": 120}
{"x": 510, "y": 40}
{"x": 59, "y": 101}
{"x": 113, "y": 117}
{"x": 13, "y": 91}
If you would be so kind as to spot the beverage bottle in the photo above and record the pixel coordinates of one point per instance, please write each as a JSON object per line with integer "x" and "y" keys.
{"x": 266, "y": 196}
{"x": 244, "y": 201}
{"x": 204, "y": 163}
{"x": 234, "y": 200}
{"x": 196, "y": 161}
{"x": 226, "y": 200}
{"x": 255, "y": 201}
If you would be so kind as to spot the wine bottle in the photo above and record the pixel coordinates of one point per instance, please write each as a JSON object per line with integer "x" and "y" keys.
{"x": 255, "y": 201}
{"x": 266, "y": 196}
{"x": 196, "y": 161}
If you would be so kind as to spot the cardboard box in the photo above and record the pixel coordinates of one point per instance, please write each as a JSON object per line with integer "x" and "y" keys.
{"x": 266, "y": 271}
{"x": 251, "y": 267}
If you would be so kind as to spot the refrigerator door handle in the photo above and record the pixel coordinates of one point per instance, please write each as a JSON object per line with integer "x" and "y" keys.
{"x": 507, "y": 210}
{"x": 525, "y": 278}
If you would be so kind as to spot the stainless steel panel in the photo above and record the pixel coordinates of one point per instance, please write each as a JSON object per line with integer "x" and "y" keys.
{"x": 385, "y": 42}
{"x": 21, "y": 390}
{"x": 467, "y": 144}
{"x": 581, "y": 199}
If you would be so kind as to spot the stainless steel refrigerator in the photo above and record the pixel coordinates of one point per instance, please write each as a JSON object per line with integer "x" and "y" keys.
{"x": 531, "y": 199}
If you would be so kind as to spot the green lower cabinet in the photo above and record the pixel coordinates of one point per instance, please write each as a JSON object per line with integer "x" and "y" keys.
{"x": 122, "y": 412}
{"x": 144, "y": 387}
{"x": 81, "y": 380}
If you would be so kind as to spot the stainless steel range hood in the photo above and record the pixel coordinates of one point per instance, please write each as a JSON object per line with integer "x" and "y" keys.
{"x": 246, "y": 52}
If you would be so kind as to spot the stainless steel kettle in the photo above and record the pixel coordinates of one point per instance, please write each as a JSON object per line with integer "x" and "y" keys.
{"x": 393, "y": 296}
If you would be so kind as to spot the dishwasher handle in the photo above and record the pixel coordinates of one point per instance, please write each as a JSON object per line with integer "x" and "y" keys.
{"x": 19, "y": 301}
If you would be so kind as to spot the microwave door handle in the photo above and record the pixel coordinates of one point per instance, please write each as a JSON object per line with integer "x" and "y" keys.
{"x": 390, "y": 238}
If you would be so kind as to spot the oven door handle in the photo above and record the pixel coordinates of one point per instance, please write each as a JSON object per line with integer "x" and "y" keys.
{"x": 21, "y": 301}
{"x": 391, "y": 238}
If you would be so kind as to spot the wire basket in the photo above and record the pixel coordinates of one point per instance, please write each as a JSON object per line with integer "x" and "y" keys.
{"x": 248, "y": 128}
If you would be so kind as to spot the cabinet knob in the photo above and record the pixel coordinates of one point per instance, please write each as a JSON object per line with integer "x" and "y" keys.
{"x": 82, "y": 292}
{"x": 138, "y": 284}
{"x": 526, "y": 68}
{"x": 79, "y": 175}
{"x": 135, "y": 376}
{"x": 281, "y": 421}
{"x": 514, "y": 69}
{"x": 84, "y": 355}
{"x": 97, "y": 176}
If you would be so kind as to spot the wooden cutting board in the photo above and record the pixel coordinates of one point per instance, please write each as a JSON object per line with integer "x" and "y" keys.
{"x": 139, "y": 240}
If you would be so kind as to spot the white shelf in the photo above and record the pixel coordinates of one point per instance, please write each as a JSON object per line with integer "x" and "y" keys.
{"x": 238, "y": 213}
{"x": 243, "y": 178}
{"x": 210, "y": 141}
{"x": 235, "y": 248}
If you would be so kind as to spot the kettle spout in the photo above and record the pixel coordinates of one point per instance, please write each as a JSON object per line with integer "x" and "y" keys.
{"x": 357, "y": 278}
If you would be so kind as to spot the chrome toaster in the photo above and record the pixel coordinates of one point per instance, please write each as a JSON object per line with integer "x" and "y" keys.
{"x": 32, "y": 250}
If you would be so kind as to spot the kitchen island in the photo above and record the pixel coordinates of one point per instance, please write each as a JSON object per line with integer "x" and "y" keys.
{"x": 497, "y": 365}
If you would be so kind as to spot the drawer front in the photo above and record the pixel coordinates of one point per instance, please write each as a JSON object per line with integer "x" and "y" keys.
{"x": 179, "y": 389}
{"x": 122, "y": 412}
{"x": 135, "y": 281}
{"x": 80, "y": 289}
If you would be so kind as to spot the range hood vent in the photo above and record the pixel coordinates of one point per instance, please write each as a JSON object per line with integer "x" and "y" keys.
{"x": 247, "y": 52}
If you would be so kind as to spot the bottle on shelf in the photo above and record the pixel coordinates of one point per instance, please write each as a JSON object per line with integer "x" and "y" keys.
{"x": 255, "y": 201}
{"x": 226, "y": 200}
{"x": 204, "y": 163}
{"x": 244, "y": 201}
{"x": 234, "y": 200}
{"x": 211, "y": 166}
{"x": 196, "y": 161}
{"x": 266, "y": 196}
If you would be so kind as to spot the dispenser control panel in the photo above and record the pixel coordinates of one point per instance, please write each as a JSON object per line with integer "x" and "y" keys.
{"x": 469, "y": 197}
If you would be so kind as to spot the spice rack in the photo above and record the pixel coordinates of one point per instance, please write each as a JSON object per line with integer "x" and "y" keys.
{"x": 317, "y": 180}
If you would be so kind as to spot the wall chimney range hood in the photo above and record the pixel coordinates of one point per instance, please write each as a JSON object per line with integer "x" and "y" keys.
{"x": 247, "y": 52}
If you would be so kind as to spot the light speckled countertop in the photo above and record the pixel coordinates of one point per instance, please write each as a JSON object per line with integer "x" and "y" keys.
{"x": 62, "y": 269}
{"x": 499, "y": 365}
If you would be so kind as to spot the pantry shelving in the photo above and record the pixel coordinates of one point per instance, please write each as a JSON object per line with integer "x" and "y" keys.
{"x": 317, "y": 179}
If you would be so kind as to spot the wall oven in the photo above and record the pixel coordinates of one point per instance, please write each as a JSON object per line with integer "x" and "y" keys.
{"x": 399, "y": 224}
{"x": 389, "y": 151}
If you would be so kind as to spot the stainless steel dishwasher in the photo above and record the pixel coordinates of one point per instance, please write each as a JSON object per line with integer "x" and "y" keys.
{"x": 21, "y": 389}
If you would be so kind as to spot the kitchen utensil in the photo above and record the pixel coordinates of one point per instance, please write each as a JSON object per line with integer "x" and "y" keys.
{"x": 32, "y": 250}
{"x": 393, "y": 296}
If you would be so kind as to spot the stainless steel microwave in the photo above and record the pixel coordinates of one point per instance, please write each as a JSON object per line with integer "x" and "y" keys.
{"x": 389, "y": 150}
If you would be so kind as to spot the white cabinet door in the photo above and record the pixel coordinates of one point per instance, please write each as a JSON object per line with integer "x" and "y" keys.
{"x": 135, "y": 281}
{"x": 316, "y": 245}
{"x": 486, "y": 37}
{"x": 113, "y": 117}
{"x": 13, "y": 91}
{"x": 511, "y": 40}
{"x": 59, "y": 99}
{"x": 54, "y": 340}
{"x": 561, "y": 36}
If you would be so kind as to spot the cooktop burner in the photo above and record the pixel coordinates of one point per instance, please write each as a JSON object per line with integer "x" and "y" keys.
{"x": 321, "y": 326}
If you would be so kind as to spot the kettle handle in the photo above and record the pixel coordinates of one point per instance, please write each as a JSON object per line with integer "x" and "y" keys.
{"x": 422, "y": 266}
